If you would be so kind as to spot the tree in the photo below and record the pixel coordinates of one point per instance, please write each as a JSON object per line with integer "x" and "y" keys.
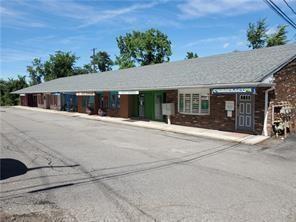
{"x": 101, "y": 61}
{"x": 191, "y": 55}
{"x": 256, "y": 34}
{"x": 81, "y": 70}
{"x": 279, "y": 37}
{"x": 61, "y": 64}
{"x": 8, "y": 86}
{"x": 36, "y": 71}
{"x": 143, "y": 48}
{"x": 258, "y": 37}
{"x": 124, "y": 61}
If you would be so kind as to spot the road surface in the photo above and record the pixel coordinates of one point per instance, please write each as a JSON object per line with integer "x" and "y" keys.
{"x": 64, "y": 168}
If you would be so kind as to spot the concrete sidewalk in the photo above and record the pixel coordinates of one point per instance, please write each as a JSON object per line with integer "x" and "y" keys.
{"x": 192, "y": 131}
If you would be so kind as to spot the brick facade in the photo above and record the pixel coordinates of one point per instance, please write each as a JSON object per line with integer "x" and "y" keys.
{"x": 259, "y": 110}
{"x": 217, "y": 119}
{"x": 285, "y": 83}
{"x": 285, "y": 91}
{"x": 55, "y": 102}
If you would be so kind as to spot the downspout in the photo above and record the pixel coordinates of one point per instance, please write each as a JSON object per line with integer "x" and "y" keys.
{"x": 265, "y": 133}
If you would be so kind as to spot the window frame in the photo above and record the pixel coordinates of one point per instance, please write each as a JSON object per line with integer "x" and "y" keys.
{"x": 202, "y": 92}
{"x": 114, "y": 100}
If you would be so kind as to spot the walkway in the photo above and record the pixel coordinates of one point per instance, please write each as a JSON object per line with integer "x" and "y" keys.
{"x": 192, "y": 131}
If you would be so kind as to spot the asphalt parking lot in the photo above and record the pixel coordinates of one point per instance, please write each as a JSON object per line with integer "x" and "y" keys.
{"x": 63, "y": 168}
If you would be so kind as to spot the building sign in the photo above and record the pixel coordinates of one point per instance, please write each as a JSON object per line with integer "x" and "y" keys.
{"x": 128, "y": 92}
{"x": 247, "y": 90}
{"x": 229, "y": 105}
{"x": 85, "y": 94}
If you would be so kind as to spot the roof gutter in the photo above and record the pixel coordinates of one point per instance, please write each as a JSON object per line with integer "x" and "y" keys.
{"x": 221, "y": 85}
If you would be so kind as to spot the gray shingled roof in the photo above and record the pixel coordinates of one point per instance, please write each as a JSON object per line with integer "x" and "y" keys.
{"x": 231, "y": 68}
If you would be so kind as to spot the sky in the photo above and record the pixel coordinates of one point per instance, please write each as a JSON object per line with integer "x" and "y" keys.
{"x": 37, "y": 28}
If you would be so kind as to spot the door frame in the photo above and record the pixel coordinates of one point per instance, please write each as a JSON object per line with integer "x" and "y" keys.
{"x": 156, "y": 94}
{"x": 253, "y": 112}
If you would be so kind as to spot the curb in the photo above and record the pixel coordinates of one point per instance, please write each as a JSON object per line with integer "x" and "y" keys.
{"x": 215, "y": 134}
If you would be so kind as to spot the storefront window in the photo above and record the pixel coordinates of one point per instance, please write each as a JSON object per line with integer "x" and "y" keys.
{"x": 194, "y": 101}
{"x": 181, "y": 102}
{"x": 115, "y": 100}
{"x": 204, "y": 104}
{"x": 187, "y": 103}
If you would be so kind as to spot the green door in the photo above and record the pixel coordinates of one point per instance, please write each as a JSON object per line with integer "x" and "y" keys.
{"x": 149, "y": 105}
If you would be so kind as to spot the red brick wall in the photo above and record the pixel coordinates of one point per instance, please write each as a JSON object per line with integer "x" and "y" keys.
{"x": 55, "y": 102}
{"x": 40, "y": 100}
{"x": 216, "y": 120}
{"x": 218, "y": 116}
{"x": 259, "y": 110}
{"x": 24, "y": 100}
{"x": 285, "y": 90}
{"x": 285, "y": 83}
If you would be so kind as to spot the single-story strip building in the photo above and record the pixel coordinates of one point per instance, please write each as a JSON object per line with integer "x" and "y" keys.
{"x": 230, "y": 92}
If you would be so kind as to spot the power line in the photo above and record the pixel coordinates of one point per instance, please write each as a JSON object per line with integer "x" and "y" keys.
{"x": 277, "y": 10}
{"x": 290, "y": 7}
{"x": 284, "y": 15}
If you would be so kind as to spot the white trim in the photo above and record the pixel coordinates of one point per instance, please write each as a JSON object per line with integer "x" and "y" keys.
{"x": 246, "y": 84}
{"x": 128, "y": 92}
{"x": 265, "y": 132}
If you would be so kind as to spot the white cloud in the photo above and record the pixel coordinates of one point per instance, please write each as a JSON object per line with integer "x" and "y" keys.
{"x": 89, "y": 15}
{"x": 219, "y": 39}
{"x": 200, "y": 8}
{"x": 14, "y": 55}
{"x": 272, "y": 30}
{"x": 14, "y": 18}
{"x": 241, "y": 43}
{"x": 225, "y": 45}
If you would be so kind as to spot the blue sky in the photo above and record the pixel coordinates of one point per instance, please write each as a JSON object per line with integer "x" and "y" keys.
{"x": 38, "y": 28}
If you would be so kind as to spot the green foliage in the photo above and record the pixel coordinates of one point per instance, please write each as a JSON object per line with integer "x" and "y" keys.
{"x": 256, "y": 34}
{"x": 80, "y": 70}
{"x": 279, "y": 37}
{"x": 124, "y": 61}
{"x": 61, "y": 64}
{"x": 36, "y": 71}
{"x": 191, "y": 55}
{"x": 258, "y": 37}
{"x": 8, "y": 86}
{"x": 143, "y": 48}
{"x": 88, "y": 68}
{"x": 101, "y": 61}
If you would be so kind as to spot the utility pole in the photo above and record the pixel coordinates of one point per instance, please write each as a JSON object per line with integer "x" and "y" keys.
{"x": 93, "y": 56}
